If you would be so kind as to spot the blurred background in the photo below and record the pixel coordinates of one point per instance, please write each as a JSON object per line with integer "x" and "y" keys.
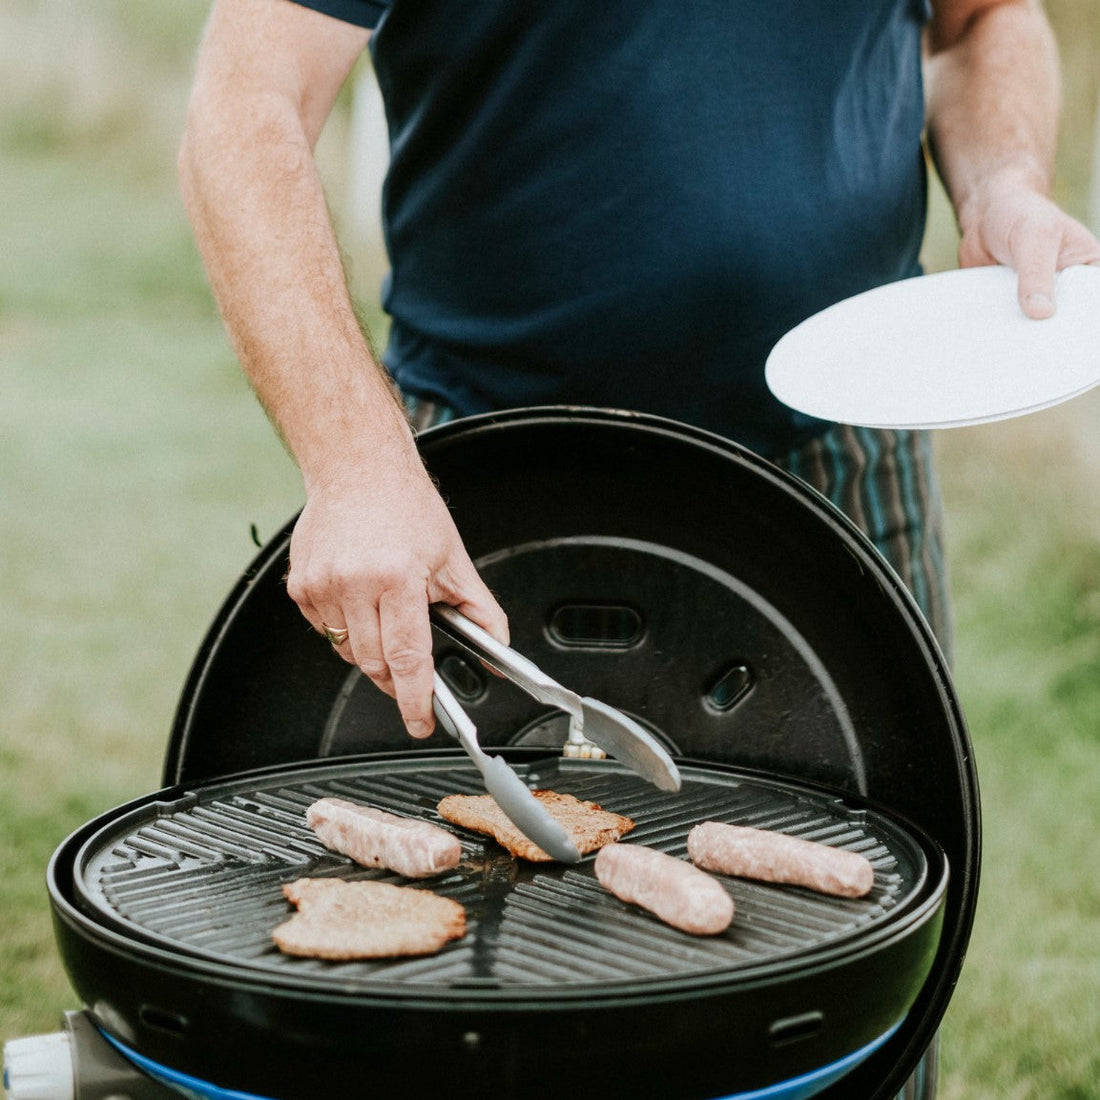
{"x": 139, "y": 477}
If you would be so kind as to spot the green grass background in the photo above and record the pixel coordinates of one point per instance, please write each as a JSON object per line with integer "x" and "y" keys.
{"x": 135, "y": 464}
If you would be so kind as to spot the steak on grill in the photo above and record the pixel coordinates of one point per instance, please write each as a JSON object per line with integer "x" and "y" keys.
{"x": 588, "y": 824}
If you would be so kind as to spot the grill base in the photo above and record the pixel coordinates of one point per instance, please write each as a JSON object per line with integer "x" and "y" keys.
{"x": 163, "y": 911}
{"x": 147, "y": 1080}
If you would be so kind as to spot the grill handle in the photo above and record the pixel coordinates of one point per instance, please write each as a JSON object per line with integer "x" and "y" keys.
{"x": 505, "y": 660}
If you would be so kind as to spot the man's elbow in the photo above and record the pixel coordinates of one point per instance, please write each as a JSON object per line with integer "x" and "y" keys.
{"x": 961, "y": 22}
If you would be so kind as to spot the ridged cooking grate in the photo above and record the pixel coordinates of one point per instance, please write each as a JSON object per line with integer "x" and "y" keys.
{"x": 201, "y": 875}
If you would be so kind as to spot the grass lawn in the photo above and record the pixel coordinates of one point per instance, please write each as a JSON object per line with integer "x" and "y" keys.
{"x": 1025, "y": 538}
{"x": 136, "y": 465}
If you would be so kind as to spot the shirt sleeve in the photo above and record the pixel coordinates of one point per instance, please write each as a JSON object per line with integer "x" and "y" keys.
{"x": 362, "y": 13}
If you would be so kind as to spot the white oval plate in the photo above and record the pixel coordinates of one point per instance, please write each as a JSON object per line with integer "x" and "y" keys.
{"x": 941, "y": 351}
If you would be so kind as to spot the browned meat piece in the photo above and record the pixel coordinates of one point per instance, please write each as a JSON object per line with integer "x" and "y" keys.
{"x": 375, "y": 838}
{"x": 589, "y": 825}
{"x": 777, "y": 857}
{"x": 675, "y": 891}
{"x": 366, "y": 920}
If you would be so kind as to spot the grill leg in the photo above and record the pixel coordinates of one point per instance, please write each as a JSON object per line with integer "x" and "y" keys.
{"x": 922, "y": 1085}
{"x": 101, "y": 1073}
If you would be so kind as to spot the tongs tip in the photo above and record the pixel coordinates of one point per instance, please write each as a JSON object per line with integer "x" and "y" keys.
{"x": 511, "y": 794}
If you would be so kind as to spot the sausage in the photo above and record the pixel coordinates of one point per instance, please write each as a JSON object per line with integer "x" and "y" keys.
{"x": 670, "y": 888}
{"x": 374, "y": 838}
{"x": 777, "y": 857}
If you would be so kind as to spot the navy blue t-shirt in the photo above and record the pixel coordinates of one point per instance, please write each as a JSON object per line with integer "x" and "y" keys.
{"x": 626, "y": 203}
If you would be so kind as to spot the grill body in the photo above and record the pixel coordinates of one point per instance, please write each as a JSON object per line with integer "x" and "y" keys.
{"x": 672, "y": 574}
{"x": 553, "y": 983}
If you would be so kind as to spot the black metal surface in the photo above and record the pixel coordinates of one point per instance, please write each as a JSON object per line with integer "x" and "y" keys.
{"x": 675, "y": 575}
{"x": 164, "y": 911}
{"x": 202, "y": 876}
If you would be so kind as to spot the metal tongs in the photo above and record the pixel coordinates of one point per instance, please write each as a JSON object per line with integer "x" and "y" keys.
{"x": 601, "y": 724}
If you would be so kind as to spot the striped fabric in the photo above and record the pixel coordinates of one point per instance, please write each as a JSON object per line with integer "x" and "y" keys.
{"x": 885, "y": 482}
{"x": 426, "y": 414}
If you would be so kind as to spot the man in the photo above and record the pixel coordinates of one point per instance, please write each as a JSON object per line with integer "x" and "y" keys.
{"x": 615, "y": 203}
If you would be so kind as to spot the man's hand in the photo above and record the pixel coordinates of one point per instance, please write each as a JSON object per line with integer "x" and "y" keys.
{"x": 992, "y": 87}
{"x": 1009, "y": 222}
{"x": 370, "y": 559}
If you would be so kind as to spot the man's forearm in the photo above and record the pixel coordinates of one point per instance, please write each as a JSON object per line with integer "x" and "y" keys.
{"x": 261, "y": 223}
{"x": 993, "y": 99}
{"x": 993, "y": 103}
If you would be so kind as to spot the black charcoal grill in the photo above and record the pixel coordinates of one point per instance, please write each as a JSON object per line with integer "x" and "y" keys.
{"x": 674, "y": 575}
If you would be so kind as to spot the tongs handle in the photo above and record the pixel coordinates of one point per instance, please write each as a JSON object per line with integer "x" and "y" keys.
{"x": 600, "y": 724}
{"x": 517, "y": 668}
{"x": 454, "y": 719}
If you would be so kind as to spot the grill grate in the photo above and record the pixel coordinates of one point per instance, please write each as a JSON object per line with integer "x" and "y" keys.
{"x": 201, "y": 876}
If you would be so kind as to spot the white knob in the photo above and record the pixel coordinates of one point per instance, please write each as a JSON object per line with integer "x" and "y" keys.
{"x": 39, "y": 1067}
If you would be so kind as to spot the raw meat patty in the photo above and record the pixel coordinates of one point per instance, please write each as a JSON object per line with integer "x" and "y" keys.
{"x": 366, "y": 920}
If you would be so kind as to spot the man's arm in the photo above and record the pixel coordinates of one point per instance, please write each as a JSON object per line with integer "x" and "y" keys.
{"x": 993, "y": 103}
{"x": 375, "y": 543}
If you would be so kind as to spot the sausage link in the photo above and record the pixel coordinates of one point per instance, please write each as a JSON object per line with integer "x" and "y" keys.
{"x": 675, "y": 891}
{"x": 375, "y": 838}
{"x": 777, "y": 857}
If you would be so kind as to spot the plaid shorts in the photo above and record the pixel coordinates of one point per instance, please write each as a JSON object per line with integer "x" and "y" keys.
{"x": 885, "y": 482}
